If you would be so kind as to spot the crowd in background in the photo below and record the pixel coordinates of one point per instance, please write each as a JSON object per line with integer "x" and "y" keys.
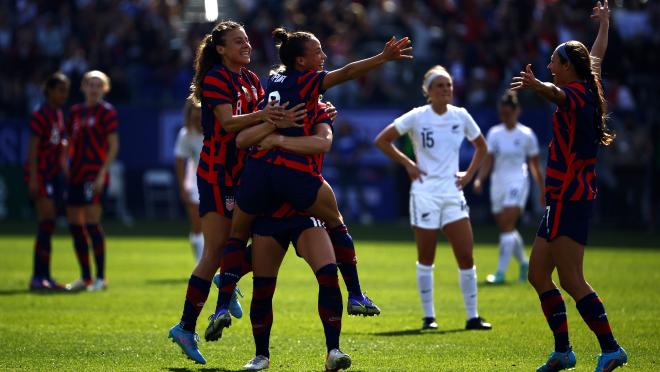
{"x": 146, "y": 46}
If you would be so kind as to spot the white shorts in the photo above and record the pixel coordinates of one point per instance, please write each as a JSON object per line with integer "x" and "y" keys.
{"x": 433, "y": 212}
{"x": 508, "y": 195}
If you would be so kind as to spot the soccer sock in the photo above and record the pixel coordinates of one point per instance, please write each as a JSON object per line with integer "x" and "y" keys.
{"x": 593, "y": 312}
{"x": 467, "y": 279}
{"x": 98, "y": 244}
{"x": 42, "y": 249}
{"x": 197, "y": 243}
{"x": 261, "y": 312}
{"x": 554, "y": 310}
{"x": 246, "y": 266}
{"x": 196, "y": 295}
{"x": 329, "y": 305}
{"x": 82, "y": 249}
{"x": 507, "y": 245}
{"x": 519, "y": 248}
{"x": 233, "y": 258}
{"x": 425, "y": 288}
{"x": 342, "y": 243}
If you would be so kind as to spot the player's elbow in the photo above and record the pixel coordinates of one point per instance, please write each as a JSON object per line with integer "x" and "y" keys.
{"x": 325, "y": 144}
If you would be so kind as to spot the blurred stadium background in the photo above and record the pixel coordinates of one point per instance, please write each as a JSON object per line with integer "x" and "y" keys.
{"x": 146, "y": 46}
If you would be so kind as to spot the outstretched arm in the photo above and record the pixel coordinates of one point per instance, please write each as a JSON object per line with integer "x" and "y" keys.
{"x": 549, "y": 91}
{"x": 602, "y": 14}
{"x": 394, "y": 50}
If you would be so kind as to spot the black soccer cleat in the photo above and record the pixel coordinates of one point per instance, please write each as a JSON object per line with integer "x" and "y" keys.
{"x": 429, "y": 323}
{"x": 477, "y": 323}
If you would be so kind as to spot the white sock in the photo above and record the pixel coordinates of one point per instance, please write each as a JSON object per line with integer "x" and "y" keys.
{"x": 519, "y": 248}
{"x": 425, "y": 288}
{"x": 467, "y": 280}
{"x": 197, "y": 242}
{"x": 507, "y": 245}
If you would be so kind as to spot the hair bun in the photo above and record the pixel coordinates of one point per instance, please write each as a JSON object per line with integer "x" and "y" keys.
{"x": 280, "y": 35}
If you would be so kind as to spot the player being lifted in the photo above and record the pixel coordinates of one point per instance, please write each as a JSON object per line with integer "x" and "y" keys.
{"x": 579, "y": 128}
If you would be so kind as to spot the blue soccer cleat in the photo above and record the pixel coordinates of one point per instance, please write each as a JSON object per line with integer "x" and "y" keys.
{"x": 217, "y": 322}
{"x": 524, "y": 269}
{"x": 610, "y": 361}
{"x": 38, "y": 284}
{"x": 497, "y": 278}
{"x": 558, "y": 361}
{"x": 187, "y": 341}
{"x": 235, "y": 308}
{"x": 361, "y": 305}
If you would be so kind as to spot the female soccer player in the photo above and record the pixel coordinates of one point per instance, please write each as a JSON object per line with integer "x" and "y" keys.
{"x": 290, "y": 175}
{"x": 228, "y": 93}
{"x": 94, "y": 144}
{"x": 45, "y": 169}
{"x": 436, "y": 196}
{"x": 187, "y": 147}
{"x": 579, "y": 127}
{"x": 511, "y": 146}
{"x": 270, "y": 240}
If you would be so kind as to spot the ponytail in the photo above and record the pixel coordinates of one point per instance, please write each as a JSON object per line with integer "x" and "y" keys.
{"x": 290, "y": 45}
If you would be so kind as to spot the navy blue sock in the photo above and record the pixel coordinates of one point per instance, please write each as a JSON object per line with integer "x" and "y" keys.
{"x": 231, "y": 268}
{"x": 329, "y": 304}
{"x": 82, "y": 249}
{"x": 196, "y": 295}
{"x": 97, "y": 237}
{"x": 342, "y": 243}
{"x": 593, "y": 312}
{"x": 261, "y": 313}
{"x": 554, "y": 309}
{"x": 42, "y": 249}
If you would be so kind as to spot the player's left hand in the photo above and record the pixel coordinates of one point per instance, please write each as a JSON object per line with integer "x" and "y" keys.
{"x": 601, "y": 12}
{"x": 99, "y": 182}
{"x": 526, "y": 80}
{"x": 292, "y": 116}
{"x": 397, "y": 49}
{"x": 272, "y": 140}
{"x": 331, "y": 110}
{"x": 462, "y": 179}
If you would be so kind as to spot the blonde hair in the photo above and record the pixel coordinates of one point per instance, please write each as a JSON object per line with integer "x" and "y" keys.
{"x": 99, "y": 75}
{"x": 188, "y": 108}
{"x": 430, "y": 75}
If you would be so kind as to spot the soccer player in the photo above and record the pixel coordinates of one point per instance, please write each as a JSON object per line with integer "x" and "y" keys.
{"x": 187, "y": 148}
{"x": 270, "y": 240}
{"x": 45, "y": 169}
{"x": 291, "y": 175}
{"x": 94, "y": 144}
{"x": 511, "y": 147}
{"x": 228, "y": 93}
{"x": 436, "y": 196}
{"x": 579, "y": 128}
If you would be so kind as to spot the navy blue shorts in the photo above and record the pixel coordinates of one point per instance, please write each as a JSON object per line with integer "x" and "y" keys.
{"x": 79, "y": 194}
{"x": 263, "y": 185}
{"x": 215, "y": 198}
{"x": 285, "y": 230}
{"x": 569, "y": 218}
{"x": 51, "y": 188}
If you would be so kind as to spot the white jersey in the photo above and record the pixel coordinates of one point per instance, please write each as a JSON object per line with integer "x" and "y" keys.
{"x": 188, "y": 145}
{"x": 436, "y": 140}
{"x": 510, "y": 150}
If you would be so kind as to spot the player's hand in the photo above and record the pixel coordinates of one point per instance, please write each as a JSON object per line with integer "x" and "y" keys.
{"x": 292, "y": 116}
{"x": 99, "y": 182}
{"x": 272, "y": 140}
{"x": 526, "y": 80}
{"x": 33, "y": 188}
{"x": 331, "y": 110}
{"x": 477, "y": 187}
{"x": 414, "y": 172}
{"x": 397, "y": 49}
{"x": 462, "y": 179}
{"x": 601, "y": 12}
{"x": 183, "y": 195}
{"x": 272, "y": 112}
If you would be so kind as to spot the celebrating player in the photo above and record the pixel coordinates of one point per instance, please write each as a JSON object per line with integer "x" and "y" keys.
{"x": 94, "y": 144}
{"x": 291, "y": 175}
{"x": 187, "y": 148}
{"x": 45, "y": 169}
{"x": 579, "y": 128}
{"x": 511, "y": 146}
{"x": 436, "y": 196}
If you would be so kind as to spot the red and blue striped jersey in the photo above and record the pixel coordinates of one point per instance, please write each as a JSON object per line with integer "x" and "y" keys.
{"x": 47, "y": 124}
{"x": 570, "y": 173}
{"x": 296, "y": 87}
{"x": 89, "y": 129}
{"x": 221, "y": 161}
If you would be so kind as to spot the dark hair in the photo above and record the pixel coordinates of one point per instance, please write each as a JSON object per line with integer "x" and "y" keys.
{"x": 53, "y": 81}
{"x": 206, "y": 55}
{"x": 510, "y": 98}
{"x": 584, "y": 63}
{"x": 291, "y": 45}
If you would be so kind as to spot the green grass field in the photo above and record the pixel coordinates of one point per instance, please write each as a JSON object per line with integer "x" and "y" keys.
{"x": 125, "y": 328}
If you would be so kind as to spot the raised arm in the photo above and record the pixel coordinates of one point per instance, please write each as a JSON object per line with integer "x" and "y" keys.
{"x": 394, "y": 50}
{"x": 385, "y": 142}
{"x": 602, "y": 14}
{"x": 549, "y": 91}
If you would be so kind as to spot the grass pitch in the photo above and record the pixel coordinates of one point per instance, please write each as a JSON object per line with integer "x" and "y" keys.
{"x": 125, "y": 327}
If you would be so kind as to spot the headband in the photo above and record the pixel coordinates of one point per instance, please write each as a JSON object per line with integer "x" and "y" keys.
{"x": 430, "y": 78}
{"x": 561, "y": 50}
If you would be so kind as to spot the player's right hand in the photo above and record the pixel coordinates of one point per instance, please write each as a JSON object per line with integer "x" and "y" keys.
{"x": 414, "y": 172}
{"x": 292, "y": 116}
{"x": 272, "y": 112}
{"x": 397, "y": 49}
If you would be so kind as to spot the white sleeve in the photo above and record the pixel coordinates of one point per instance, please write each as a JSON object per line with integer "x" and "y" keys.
{"x": 406, "y": 122}
{"x": 490, "y": 141}
{"x": 472, "y": 130}
{"x": 180, "y": 145}
{"x": 532, "y": 144}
